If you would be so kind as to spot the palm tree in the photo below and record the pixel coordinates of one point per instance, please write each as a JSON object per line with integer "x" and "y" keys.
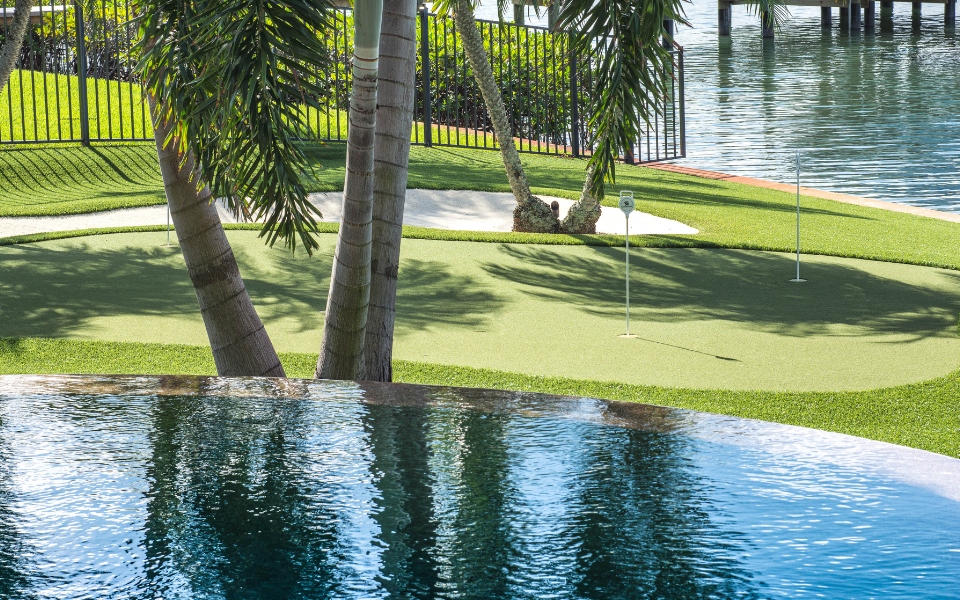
{"x": 344, "y": 329}
{"x": 621, "y": 39}
{"x": 14, "y": 34}
{"x": 224, "y": 78}
{"x": 395, "y": 100}
{"x": 531, "y": 213}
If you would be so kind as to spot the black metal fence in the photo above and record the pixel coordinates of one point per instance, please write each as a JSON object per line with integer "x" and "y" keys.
{"x": 73, "y": 80}
{"x": 75, "y": 83}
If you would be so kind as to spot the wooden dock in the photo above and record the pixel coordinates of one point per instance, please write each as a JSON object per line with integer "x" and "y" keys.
{"x": 852, "y": 15}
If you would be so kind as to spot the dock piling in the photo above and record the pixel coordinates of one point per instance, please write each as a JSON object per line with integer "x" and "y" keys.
{"x": 826, "y": 17}
{"x": 870, "y": 16}
{"x": 917, "y": 9}
{"x": 855, "y": 16}
{"x": 844, "y": 17}
{"x": 725, "y": 19}
{"x": 767, "y": 21}
{"x": 950, "y": 14}
{"x": 886, "y": 15}
{"x": 668, "y": 34}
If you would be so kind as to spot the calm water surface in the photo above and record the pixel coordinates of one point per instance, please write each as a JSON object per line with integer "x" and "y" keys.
{"x": 445, "y": 493}
{"x": 874, "y": 115}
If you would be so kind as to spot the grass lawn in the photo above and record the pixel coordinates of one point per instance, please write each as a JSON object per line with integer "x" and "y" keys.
{"x": 63, "y": 180}
{"x": 708, "y": 318}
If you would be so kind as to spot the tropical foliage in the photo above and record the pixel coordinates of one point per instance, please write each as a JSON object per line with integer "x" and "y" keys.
{"x": 230, "y": 75}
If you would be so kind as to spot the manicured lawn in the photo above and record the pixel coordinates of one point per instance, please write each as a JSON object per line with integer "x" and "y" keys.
{"x": 730, "y": 215}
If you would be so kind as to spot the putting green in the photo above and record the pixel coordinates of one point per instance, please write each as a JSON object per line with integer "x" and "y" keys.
{"x": 704, "y": 318}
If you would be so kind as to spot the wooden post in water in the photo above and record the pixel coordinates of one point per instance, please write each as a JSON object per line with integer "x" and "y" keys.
{"x": 870, "y": 16}
{"x": 724, "y": 19}
{"x": 855, "y": 16}
{"x": 826, "y": 17}
{"x": 917, "y": 9}
{"x": 886, "y": 15}
{"x": 845, "y": 17}
{"x": 950, "y": 14}
{"x": 668, "y": 34}
{"x": 767, "y": 22}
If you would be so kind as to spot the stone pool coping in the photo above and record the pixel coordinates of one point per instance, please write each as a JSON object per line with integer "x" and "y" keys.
{"x": 813, "y": 192}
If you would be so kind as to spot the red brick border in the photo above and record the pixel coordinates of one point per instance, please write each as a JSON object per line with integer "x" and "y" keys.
{"x": 783, "y": 187}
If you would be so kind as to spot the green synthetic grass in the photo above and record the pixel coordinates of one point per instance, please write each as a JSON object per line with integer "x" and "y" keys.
{"x": 706, "y": 318}
{"x": 923, "y": 415}
{"x": 728, "y": 215}
{"x": 54, "y": 180}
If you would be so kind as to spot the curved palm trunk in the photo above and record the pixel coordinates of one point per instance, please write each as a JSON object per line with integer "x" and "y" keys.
{"x": 531, "y": 213}
{"x": 341, "y": 351}
{"x": 583, "y": 215}
{"x": 240, "y": 344}
{"x": 395, "y": 97}
{"x": 15, "y": 35}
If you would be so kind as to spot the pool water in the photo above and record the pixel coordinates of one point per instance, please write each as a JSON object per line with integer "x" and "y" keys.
{"x": 164, "y": 487}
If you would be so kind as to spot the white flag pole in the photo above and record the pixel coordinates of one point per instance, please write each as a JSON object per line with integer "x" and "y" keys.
{"x": 797, "y": 279}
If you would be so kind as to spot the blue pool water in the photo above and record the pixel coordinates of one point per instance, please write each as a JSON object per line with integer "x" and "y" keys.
{"x": 161, "y": 487}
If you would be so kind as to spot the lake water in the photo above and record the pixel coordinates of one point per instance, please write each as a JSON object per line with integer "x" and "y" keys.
{"x": 873, "y": 115}
{"x": 186, "y": 487}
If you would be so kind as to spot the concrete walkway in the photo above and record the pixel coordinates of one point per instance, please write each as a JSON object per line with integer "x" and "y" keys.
{"x": 441, "y": 209}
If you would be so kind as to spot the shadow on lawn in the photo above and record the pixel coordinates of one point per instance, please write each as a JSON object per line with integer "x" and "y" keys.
{"x": 675, "y": 285}
{"x": 51, "y": 292}
{"x": 50, "y": 176}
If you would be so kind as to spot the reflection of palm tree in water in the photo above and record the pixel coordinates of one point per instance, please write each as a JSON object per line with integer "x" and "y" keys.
{"x": 640, "y": 526}
{"x": 231, "y": 508}
{"x": 481, "y": 549}
{"x": 13, "y": 570}
{"x": 408, "y": 525}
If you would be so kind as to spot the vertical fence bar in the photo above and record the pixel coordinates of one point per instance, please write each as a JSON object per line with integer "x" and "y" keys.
{"x": 43, "y": 71}
{"x": 56, "y": 77}
{"x": 683, "y": 117}
{"x": 574, "y": 100}
{"x": 81, "y": 56}
{"x": 425, "y": 77}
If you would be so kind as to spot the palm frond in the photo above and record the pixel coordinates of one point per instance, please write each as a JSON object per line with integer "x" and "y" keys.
{"x": 621, "y": 39}
{"x": 234, "y": 77}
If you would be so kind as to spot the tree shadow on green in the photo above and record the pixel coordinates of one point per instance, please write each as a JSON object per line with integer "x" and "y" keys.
{"x": 430, "y": 294}
{"x": 675, "y": 285}
{"x": 54, "y": 291}
{"x": 50, "y": 176}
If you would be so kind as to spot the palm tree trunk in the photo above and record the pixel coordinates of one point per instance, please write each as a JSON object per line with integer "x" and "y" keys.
{"x": 583, "y": 215}
{"x": 341, "y": 350}
{"x": 531, "y": 213}
{"x": 240, "y": 344}
{"x": 15, "y": 35}
{"x": 395, "y": 96}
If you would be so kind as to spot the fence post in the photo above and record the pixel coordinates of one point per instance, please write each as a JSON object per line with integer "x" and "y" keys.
{"x": 425, "y": 77}
{"x": 574, "y": 101}
{"x": 683, "y": 116}
{"x": 82, "y": 74}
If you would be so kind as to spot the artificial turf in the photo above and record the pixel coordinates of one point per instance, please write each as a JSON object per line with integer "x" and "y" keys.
{"x": 726, "y": 319}
{"x": 922, "y": 415}
{"x": 65, "y": 180}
